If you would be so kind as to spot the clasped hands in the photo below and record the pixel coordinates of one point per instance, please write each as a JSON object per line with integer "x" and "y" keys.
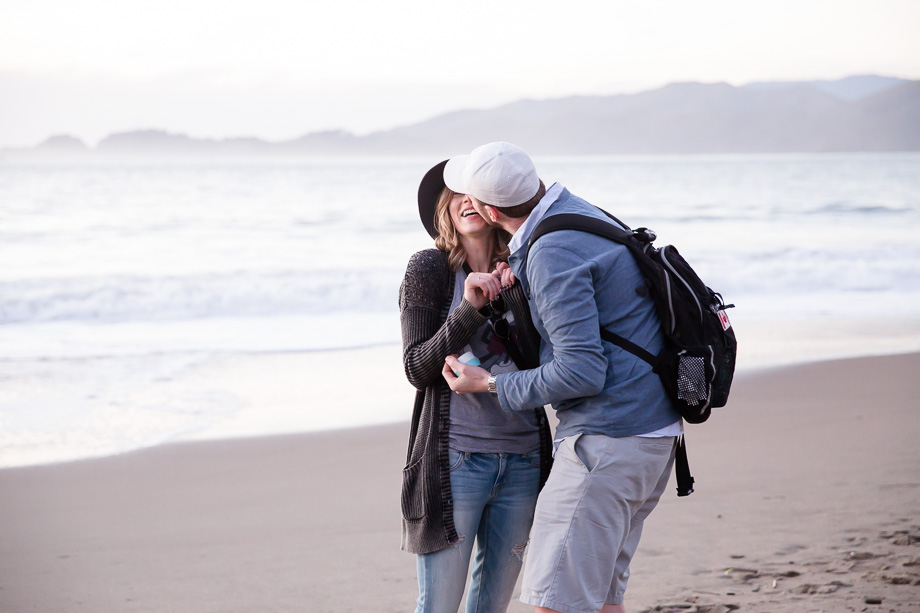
{"x": 480, "y": 287}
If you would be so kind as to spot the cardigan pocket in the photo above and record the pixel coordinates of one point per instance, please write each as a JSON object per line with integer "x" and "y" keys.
{"x": 414, "y": 495}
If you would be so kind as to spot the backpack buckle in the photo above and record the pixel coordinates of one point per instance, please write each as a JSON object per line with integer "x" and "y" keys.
{"x": 644, "y": 235}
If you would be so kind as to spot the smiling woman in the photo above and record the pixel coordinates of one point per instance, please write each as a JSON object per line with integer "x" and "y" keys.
{"x": 455, "y": 216}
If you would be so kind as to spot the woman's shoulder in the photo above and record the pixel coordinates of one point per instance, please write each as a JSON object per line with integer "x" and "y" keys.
{"x": 430, "y": 261}
{"x": 427, "y": 276}
{"x": 429, "y": 255}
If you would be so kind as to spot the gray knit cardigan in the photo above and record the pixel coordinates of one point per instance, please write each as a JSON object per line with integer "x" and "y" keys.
{"x": 429, "y": 335}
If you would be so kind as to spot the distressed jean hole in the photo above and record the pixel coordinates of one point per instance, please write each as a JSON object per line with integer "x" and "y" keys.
{"x": 518, "y": 550}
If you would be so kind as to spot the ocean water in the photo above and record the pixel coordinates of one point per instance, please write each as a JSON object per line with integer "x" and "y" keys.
{"x": 119, "y": 279}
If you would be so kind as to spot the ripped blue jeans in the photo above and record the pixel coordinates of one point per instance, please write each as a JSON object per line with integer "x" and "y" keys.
{"x": 494, "y": 498}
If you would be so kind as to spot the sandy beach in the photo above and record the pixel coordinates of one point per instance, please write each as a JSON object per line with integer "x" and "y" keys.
{"x": 808, "y": 490}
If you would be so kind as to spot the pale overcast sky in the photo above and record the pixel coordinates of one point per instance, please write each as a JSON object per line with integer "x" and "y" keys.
{"x": 280, "y": 68}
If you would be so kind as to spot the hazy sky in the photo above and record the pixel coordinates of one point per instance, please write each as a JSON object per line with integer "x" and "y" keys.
{"x": 280, "y": 68}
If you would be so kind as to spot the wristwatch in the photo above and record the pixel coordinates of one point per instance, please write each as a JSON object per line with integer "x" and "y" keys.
{"x": 492, "y": 388}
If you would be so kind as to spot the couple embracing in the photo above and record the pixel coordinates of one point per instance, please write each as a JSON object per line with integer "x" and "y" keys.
{"x": 480, "y": 466}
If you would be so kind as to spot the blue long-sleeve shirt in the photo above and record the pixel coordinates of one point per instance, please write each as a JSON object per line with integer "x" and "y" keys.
{"x": 575, "y": 282}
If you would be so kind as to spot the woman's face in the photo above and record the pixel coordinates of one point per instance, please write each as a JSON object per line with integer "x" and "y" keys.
{"x": 465, "y": 218}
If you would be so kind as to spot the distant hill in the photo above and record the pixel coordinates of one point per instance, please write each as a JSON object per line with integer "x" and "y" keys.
{"x": 158, "y": 142}
{"x": 63, "y": 143}
{"x": 849, "y": 88}
{"x": 680, "y": 118}
{"x": 861, "y": 113}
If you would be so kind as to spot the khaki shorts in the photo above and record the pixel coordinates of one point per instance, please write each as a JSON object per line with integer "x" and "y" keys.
{"x": 589, "y": 519}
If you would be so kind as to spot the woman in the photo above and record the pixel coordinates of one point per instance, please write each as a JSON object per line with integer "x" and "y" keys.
{"x": 473, "y": 470}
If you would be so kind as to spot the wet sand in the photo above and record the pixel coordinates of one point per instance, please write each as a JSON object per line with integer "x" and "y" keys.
{"x": 808, "y": 490}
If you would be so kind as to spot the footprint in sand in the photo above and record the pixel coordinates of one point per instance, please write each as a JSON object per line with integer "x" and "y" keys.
{"x": 791, "y": 549}
{"x": 716, "y": 608}
{"x": 811, "y": 588}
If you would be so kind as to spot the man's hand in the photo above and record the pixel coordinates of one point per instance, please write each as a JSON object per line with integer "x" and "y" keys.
{"x": 471, "y": 379}
{"x": 504, "y": 271}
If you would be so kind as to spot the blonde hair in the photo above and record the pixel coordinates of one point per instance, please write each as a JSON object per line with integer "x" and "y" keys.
{"x": 448, "y": 238}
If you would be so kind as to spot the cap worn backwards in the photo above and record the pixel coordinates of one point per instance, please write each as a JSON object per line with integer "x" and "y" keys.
{"x": 500, "y": 174}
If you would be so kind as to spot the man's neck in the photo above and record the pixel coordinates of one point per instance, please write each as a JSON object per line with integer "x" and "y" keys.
{"x": 513, "y": 224}
{"x": 524, "y": 225}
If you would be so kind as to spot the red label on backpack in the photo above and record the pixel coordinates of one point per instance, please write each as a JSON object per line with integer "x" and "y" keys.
{"x": 723, "y": 318}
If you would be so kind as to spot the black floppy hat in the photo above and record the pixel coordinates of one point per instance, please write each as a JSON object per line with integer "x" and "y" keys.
{"x": 429, "y": 190}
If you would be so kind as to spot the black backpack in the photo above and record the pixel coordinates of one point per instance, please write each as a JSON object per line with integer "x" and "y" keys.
{"x": 698, "y": 360}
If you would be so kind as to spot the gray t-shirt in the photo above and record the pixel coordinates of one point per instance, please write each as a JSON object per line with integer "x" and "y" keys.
{"x": 478, "y": 424}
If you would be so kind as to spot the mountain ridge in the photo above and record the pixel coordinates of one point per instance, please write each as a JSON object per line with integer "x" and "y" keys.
{"x": 863, "y": 113}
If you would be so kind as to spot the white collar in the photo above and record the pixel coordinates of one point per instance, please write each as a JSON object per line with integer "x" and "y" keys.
{"x": 523, "y": 234}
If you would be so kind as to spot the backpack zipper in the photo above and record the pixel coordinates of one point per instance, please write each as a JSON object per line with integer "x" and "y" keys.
{"x": 712, "y": 362}
{"x": 664, "y": 258}
{"x": 667, "y": 283}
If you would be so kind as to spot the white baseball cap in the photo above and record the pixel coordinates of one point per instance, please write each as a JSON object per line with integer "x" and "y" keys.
{"x": 500, "y": 174}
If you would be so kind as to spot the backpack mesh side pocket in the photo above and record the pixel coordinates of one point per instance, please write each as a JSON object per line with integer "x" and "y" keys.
{"x": 687, "y": 375}
{"x": 692, "y": 386}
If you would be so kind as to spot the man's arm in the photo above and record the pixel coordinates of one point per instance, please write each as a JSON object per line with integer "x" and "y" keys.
{"x": 562, "y": 287}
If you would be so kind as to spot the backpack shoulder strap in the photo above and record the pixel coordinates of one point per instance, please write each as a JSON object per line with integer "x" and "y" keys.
{"x": 599, "y": 227}
{"x": 574, "y": 221}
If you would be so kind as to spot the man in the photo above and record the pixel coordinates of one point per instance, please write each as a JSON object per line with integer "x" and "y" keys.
{"x": 617, "y": 428}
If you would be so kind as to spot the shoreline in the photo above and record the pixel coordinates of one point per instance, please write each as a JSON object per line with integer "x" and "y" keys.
{"x": 273, "y": 382}
{"x": 805, "y": 500}
{"x": 281, "y": 393}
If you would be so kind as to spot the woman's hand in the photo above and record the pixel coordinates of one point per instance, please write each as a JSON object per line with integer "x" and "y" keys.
{"x": 507, "y": 276}
{"x": 481, "y": 287}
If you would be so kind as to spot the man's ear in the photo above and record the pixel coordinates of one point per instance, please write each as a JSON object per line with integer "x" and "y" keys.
{"x": 493, "y": 214}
